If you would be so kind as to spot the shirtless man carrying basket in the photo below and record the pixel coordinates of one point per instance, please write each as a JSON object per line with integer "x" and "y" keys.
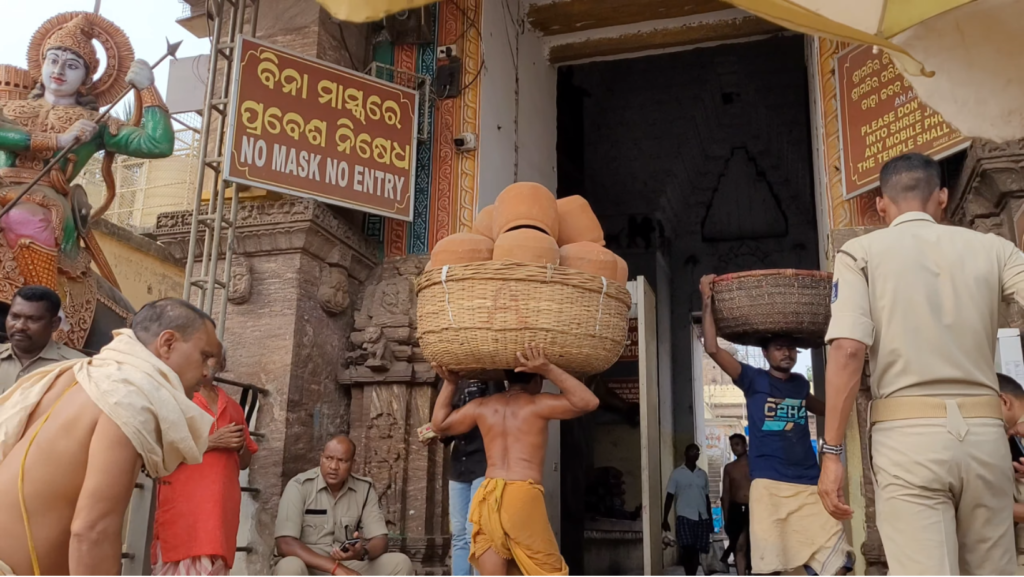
{"x": 508, "y": 515}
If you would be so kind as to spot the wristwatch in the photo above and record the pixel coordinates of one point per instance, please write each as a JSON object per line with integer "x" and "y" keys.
{"x": 831, "y": 449}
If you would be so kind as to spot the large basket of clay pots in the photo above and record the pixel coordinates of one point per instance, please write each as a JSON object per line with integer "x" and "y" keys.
{"x": 751, "y": 306}
{"x": 477, "y": 316}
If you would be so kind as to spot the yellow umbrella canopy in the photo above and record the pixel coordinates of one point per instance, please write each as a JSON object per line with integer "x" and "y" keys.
{"x": 368, "y": 10}
{"x": 965, "y": 58}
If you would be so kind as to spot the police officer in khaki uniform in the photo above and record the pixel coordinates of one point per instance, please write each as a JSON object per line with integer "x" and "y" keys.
{"x": 1011, "y": 395}
{"x": 330, "y": 523}
{"x": 33, "y": 317}
{"x": 922, "y": 299}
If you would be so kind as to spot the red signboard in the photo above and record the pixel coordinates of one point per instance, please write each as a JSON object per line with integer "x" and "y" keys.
{"x": 880, "y": 117}
{"x": 632, "y": 350}
{"x": 302, "y": 126}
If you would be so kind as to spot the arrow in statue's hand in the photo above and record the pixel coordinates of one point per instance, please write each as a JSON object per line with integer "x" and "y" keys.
{"x": 172, "y": 51}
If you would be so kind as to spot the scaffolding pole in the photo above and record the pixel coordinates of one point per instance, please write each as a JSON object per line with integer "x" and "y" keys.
{"x": 202, "y": 276}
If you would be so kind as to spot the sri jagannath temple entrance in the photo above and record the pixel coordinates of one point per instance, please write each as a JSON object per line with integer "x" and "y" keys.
{"x": 696, "y": 162}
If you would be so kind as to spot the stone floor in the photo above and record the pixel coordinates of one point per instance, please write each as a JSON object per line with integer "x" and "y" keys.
{"x": 678, "y": 570}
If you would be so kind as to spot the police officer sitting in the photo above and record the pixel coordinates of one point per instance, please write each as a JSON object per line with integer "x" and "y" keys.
{"x": 330, "y": 523}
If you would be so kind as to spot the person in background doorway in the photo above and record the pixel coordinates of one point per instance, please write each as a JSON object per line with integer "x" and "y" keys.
{"x": 329, "y": 521}
{"x": 1011, "y": 395}
{"x": 689, "y": 488}
{"x": 789, "y": 527}
{"x": 467, "y": 465}
{"x": 922, "y": 300}
{"x": 33, "y": 317}
{"x": 736, "y": 505}
{"x": 195, "y": 529}
{"x": 510, "y": 521}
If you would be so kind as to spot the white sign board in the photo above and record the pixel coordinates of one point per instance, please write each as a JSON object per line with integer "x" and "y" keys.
{"x": 1009, "y": 356}
{"x": 186, "y": 83}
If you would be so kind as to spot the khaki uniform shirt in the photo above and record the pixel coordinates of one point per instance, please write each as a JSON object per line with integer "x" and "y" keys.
{"x": 310, "y": 513}
{"x": 925, "y": 299}
{"x": 11, "y": 369}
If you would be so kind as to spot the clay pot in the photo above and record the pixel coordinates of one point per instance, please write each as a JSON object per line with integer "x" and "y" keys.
{"x": 526, "y": 245}
{"x": 577, "y": 222}
{"x": 483, "y": 224}
{"x": 622, "y": 275}
{"x": 589, "y": 257}
{"x": 461, "y": 248}
{"x": 526, "y": 204}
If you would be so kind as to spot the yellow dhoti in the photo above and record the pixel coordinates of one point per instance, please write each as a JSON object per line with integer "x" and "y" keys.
{"x": 790, "y": 529}
{"x": 510, "y": 517}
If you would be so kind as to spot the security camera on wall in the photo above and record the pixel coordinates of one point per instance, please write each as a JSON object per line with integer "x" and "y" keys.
{"x": 465, "y": 142}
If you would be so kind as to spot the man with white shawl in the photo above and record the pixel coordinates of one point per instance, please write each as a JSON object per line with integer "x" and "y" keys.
{"x": 74, "y": 436}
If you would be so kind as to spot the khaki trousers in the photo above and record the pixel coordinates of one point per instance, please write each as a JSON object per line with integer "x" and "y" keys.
{"x": 944, "y": 495}
{"x": 386, "y": 564}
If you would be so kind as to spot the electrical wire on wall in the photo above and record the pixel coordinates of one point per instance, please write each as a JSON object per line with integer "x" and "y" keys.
{"x": 348, "y": 51}
{"x": 470, "y": 22}
{"x": 518, "y": 26}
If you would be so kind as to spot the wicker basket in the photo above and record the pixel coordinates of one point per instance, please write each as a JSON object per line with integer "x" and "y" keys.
{"x": 750, "y": 306}
{"x": 479, "y": 315}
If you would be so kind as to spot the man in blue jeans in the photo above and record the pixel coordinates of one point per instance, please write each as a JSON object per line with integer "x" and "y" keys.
{"x": 465, "y": 473}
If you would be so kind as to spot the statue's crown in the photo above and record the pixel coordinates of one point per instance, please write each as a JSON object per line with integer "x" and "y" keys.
{"x": 77, "y": 36}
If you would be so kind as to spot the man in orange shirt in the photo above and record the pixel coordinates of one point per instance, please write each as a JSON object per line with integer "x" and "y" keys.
{"x": 197, "y": 508}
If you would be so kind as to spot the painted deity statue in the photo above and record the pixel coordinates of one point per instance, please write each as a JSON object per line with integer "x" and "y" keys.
{"x": 45, "y": 238}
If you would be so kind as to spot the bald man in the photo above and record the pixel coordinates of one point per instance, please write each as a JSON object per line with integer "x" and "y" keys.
{"x": 329, "y": 521}
{"x": 78, "y": 432}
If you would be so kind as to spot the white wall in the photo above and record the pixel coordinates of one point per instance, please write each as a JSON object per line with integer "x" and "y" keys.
{"x": 497, "y": 101}
{"x": 538, "y": 119}
{"x": 517, "y": 112}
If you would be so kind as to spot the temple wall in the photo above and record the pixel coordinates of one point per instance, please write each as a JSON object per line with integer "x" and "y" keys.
{"x": 145, "y": 270}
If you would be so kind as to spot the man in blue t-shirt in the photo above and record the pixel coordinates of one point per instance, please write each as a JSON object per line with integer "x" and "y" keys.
{"x": 783, "y": 466}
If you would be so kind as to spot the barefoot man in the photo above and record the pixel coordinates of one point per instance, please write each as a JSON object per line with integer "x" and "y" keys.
{"x": 509, "y": 519}
{"x": 736, "y": 504}
{"x": 78, "y": 432}
{"x": 788, "y": 529}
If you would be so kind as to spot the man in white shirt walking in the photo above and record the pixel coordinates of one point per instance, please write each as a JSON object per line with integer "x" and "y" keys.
{"x": 688, "y": 486}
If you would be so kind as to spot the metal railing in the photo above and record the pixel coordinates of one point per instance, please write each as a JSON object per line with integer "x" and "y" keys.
{"x": 189, "y": 10}
{"x": 147, "y": 187}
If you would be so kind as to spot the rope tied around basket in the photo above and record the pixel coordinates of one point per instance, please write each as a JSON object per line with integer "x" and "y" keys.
{"x": 600, "y": 304}
{"x": 444, "y": 277}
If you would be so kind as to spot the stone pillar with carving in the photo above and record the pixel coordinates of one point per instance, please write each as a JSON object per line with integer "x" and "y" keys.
{"x": 990, "y": 198}
{"x": 393, "y": 390}
{"x": 296, "y": 270}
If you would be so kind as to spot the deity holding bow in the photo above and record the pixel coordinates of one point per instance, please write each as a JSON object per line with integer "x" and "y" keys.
{"x": 45, "y": 238}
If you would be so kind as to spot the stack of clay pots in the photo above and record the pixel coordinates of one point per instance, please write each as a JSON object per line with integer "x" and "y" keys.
{"x": 526, "y": 224}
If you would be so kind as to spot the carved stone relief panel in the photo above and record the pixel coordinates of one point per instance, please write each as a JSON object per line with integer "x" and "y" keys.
{"x": 333, "y": 293}
{"x": 241, "y": 280}
{"x": 384, "y": 340}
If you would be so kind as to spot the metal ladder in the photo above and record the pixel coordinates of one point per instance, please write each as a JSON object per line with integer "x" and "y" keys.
{"x": 216, "y": 109}
{"x": 138, "y": 531}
